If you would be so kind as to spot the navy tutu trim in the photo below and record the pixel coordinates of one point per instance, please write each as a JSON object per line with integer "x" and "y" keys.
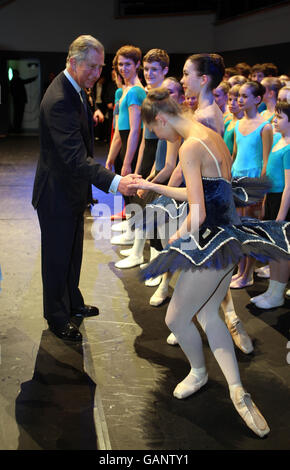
{"x": 224, "y": 246}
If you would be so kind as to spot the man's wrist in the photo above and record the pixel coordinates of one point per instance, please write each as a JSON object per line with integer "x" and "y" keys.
{"x": 115, "y": 184}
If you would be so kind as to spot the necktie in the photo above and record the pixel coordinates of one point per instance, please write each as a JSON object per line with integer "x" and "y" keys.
{"x": 83, "y": 98}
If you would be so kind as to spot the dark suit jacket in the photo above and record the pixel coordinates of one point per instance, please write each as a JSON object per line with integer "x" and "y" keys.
{"x": 66, "y": 168}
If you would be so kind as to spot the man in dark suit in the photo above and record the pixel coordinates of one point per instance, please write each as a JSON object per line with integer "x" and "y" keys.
{"x": 62, "y": 186}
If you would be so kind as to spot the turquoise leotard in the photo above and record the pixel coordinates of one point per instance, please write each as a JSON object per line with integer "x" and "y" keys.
{"x": 135, "y": 95}
{"x": 249, "y": 158}
{"x": 229, "y": 136}
{"x": 278, "y": 162}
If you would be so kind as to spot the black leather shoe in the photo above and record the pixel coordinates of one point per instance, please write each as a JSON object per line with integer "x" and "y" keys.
{"x": 67, "y": 332}
{"x": 85, "y": 311}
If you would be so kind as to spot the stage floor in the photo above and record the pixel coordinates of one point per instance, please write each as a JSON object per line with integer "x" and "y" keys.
{"x": 114, "y": 392}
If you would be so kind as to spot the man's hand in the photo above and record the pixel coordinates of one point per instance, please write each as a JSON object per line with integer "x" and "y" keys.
{"x": 125, "y": 182}
{"x": 98, "y": 117}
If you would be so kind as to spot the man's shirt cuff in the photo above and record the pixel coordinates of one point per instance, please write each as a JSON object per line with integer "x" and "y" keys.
{"x": 115, "y": 183}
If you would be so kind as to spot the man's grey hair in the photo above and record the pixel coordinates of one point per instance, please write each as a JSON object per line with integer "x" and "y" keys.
{"x": 80, "y": 47}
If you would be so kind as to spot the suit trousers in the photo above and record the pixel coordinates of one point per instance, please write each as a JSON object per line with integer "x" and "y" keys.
{"x": 61, "y": 259}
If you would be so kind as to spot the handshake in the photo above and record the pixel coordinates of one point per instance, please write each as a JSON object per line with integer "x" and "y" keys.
{"x": 129, "y": 184}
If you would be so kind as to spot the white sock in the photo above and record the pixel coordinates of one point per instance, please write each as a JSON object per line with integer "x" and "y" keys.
{"x": 278, "y": 288}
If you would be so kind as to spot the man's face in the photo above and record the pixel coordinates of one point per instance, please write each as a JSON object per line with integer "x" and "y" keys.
{"x": 87, "y": 71}
{"x": 154, "y": 74}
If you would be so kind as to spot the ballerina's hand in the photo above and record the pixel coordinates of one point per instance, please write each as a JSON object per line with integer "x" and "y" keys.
{"x": 140, "y": 184}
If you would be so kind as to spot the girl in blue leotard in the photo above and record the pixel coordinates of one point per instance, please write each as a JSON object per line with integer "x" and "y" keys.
{"x": 252, "y": 145}
{"x": 277, "y": 205}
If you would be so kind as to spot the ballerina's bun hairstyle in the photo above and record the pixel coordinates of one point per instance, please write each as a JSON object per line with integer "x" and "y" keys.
{"x": 158, "y": 100}
{"x": 257, "y": 89}
{"x": 273, "y": 84}
{"x": 211, "y": 65}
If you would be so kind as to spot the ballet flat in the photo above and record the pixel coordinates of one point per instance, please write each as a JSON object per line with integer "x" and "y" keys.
{"x": 242, "y": 286}
{"x": 182, "y": 391}
{"x": 270, "y": 302}
{"x": 129, "y": 262}
{"x": 172, "y": 340}
{"x": 257, "y": 298}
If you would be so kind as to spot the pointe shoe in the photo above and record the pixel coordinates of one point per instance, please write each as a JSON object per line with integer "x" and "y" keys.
{"x": 271, "y": 301}
{"x": 122, "y": 240}
{"x": 153, "y": 281}
{"x": 239, "y": 335}
{"x": 127, "y": 252}
{"x": 249, "y": 412}
{"x": 129, "y": 262}
{"x": 158, "y": 297}
{"x": 172, "y": 340}
{"x": 241, "y": 283}
{"x": 190, "y": 385}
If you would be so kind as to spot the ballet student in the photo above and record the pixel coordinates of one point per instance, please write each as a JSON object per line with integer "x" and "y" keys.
{"x": 129, "y": 122}
{"x": 252, "y": 145}
{"x": 272, "y": 86}
{"x": 202, "y": 73}
{"x": 220, "y": 94}
{"x": 277, "y": 205}
{"x": 165, "y": 162}
{"x": 203, "y": 251}
{"x": 155, "y": 68}
{"x": 127, "y": 135}
{"x": 236, "y": 113}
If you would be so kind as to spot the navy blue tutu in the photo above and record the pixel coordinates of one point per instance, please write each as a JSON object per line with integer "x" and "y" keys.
{"x": 224, "y": 238}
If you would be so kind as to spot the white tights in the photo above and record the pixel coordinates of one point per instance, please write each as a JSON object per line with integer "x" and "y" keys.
{"x": 201, "y": 293}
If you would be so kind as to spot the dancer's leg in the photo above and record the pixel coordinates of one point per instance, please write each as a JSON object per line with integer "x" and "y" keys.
{"x": 191, "y": 294}
{"x": 210, "y": 288}
{"x": 274, "y": 296}
{"x": 246, "y": 279}
{"x": 161, "y": 292}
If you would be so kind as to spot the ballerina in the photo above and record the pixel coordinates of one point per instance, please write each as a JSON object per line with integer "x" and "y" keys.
{"x": 206, "y": 262}
{"x": 202, "y": 73}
